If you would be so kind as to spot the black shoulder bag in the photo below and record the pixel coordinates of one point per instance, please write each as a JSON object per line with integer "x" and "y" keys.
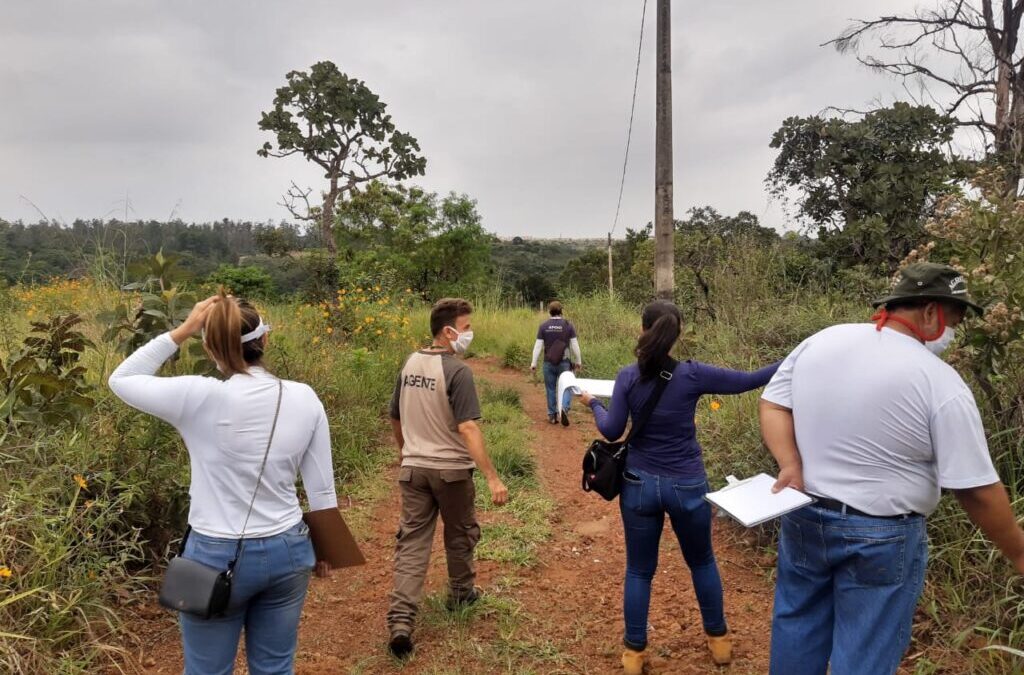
{"x": 605, "y": 461}
{"x": 194, "y": 588}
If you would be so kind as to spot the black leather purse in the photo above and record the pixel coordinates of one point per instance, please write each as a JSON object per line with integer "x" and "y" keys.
{"x": 604, "y": 461}
{"x": 195, "y": 588}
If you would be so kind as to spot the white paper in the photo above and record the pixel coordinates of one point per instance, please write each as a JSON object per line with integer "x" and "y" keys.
{"x": 568, "y": 380}
{"x": 752, "y": 502}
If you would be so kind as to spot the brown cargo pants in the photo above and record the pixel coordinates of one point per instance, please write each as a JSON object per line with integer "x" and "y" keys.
{"x": 425, "y": 493}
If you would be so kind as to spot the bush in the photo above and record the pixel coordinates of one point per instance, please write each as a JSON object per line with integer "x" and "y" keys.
{"x": 251, "y": 283}
{"x": 515, "y": 357}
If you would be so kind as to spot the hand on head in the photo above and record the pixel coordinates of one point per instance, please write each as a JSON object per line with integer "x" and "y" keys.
{"x": 196, "y": 319}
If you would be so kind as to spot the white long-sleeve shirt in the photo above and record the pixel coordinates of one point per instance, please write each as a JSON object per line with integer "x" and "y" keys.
{"x": 573, "y": 352}
{"x": 225, "y": 425}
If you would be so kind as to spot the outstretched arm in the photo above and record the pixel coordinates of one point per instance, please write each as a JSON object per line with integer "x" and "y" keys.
{"x": 715, "y": 380}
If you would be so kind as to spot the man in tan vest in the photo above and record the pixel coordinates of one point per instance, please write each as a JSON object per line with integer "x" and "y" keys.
{"x": 433, "y": 414}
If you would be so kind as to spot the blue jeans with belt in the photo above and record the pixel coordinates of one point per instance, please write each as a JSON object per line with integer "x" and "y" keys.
{"x": 846, "y": 591}
{"x": 267, "y": 593}
{"x": 644, "y": 501}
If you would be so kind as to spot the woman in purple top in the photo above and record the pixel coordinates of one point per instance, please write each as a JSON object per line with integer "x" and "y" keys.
{"x": 665, "y": 474}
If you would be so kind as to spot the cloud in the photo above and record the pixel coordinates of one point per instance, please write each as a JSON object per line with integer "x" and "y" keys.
{"x": 522, "y": 105}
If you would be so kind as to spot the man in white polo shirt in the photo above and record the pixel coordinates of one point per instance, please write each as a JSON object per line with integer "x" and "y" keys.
{"x": 869, "y": 420}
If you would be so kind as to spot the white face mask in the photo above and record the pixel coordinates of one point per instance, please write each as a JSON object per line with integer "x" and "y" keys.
{"x": 943, "y": 342}
{"x": 461, "y": 343}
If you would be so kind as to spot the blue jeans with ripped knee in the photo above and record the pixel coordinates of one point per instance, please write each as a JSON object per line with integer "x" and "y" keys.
{"x": 267, "y": 593}
{"x": 644, "y": 501}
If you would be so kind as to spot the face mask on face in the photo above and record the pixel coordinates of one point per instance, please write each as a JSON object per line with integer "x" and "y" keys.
{"x": 461, "y": 342}
{"x": 943, "y": 342}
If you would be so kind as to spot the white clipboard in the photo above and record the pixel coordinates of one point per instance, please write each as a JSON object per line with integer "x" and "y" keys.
{"x": 752, "y": 502}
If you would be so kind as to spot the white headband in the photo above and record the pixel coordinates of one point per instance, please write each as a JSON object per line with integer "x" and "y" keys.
{"x": 256, "y": 334}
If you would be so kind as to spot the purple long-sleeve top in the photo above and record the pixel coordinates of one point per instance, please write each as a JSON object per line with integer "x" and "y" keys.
{"x": 667, "y": 445}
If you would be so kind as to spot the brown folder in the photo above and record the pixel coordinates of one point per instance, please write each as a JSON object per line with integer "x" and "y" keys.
{"x": 332, "y": 540}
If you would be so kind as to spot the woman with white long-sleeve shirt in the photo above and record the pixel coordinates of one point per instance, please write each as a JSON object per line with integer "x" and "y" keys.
{"x": 226, "y": 425}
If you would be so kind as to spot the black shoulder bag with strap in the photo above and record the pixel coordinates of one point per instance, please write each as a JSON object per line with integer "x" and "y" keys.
{"x": 194, "y": 588}
{"x": 605, "y": 461}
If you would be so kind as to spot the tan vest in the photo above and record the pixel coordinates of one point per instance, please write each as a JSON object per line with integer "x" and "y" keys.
{"x": 432, "y": 439}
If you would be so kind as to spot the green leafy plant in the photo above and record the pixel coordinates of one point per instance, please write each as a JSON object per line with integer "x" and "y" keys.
{"x": 161, "y": 306}
{"x": 43, "y": 382}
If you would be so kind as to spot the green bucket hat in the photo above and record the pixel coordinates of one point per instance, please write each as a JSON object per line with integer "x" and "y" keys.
{"x": 930, "y": 281}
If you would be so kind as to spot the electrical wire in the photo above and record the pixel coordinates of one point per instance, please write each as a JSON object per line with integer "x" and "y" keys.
{"x": 632, "y": 110}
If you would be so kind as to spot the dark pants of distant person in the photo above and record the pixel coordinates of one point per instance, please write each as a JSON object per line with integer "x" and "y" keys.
{"x": 551, "y": 373}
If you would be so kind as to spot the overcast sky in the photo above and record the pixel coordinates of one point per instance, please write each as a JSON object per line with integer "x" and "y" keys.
{"x": 522, "y": 105}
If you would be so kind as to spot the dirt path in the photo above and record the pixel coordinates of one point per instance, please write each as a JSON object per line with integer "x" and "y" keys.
{"x": 565, "y": 612}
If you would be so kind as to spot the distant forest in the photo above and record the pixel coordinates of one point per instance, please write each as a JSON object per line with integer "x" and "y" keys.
{"x": 34, "y": 253}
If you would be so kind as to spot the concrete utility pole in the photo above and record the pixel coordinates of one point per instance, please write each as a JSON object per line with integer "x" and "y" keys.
{"x": 611, "y": 287}
{"x": 664, "y": 225}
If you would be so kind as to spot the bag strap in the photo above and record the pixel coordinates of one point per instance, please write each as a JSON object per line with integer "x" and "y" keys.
{"x": 664, "y": 377}
{"x": 259, "y": 479}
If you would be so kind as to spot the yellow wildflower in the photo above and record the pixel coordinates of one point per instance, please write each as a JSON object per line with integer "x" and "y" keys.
{"x": 5, "y": 572}
{"x": 80, "y": 481}
{"x": 368, "y": 319}
{"x": 329, "y": 330}
{"x": 376, "y": 288}
{"x": 408, "y": 290}
{"x": 715, "y": 405}
{"x": 316, "y": 339}
{"x": 380, "y": 332}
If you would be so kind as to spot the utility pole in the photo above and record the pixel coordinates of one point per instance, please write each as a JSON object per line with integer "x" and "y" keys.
{"x": 611, "y": 286}
{"x": 664, "y": 225}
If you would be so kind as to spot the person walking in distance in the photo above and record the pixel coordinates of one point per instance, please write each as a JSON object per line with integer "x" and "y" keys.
{"x": 556, "y": 339}
{"x": 248, "y": 436}
{"x": 871, "y": 422}
{"x": 434, "y": 413}
{"x": 665, "y": 474}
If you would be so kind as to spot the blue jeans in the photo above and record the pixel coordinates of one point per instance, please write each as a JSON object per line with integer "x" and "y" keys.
{"x": 644, "y": 501}
{"x": 267, "y": 593}
{"x": 551, "y": 373}
{"x": 846, "y": 592}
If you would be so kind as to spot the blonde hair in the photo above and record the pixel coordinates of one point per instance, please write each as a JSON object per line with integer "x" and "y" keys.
{"x": 227, "y": 322}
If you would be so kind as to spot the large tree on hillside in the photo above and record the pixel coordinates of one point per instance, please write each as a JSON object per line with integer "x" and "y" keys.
{"x": 968, "y": 49}
{"x": 337, "y": 123}
{"x": 868, "y": 185}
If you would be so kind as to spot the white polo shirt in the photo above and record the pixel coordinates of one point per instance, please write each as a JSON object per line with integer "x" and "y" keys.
{"x": 881, "y": 423}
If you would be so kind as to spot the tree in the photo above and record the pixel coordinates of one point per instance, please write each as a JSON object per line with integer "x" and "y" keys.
{"x": 409, "y": 237}
{"x": 704, "y": 238}
{"x": 337, "y": 123}
{"x": 973, "y": 54}
{"x": 868, "y": 184}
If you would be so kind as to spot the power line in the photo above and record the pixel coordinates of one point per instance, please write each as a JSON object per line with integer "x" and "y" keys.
{"x": 632, "y": 110}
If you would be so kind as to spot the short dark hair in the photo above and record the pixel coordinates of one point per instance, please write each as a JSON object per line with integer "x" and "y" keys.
{"x": 445, "y": 311}
{"x": 555, "y": 308}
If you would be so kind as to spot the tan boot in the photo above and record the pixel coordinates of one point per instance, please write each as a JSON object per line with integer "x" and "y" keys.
{"x": 632, "y": 662}
{"x": 720, "y": 648}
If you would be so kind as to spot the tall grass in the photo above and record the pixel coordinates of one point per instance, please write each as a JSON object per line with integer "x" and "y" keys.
{"x": 87, "y": 514}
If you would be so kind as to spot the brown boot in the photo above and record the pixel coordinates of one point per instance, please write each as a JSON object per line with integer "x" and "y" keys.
{"x": 632, "y": 662}
{"x": 720, "y": 648}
